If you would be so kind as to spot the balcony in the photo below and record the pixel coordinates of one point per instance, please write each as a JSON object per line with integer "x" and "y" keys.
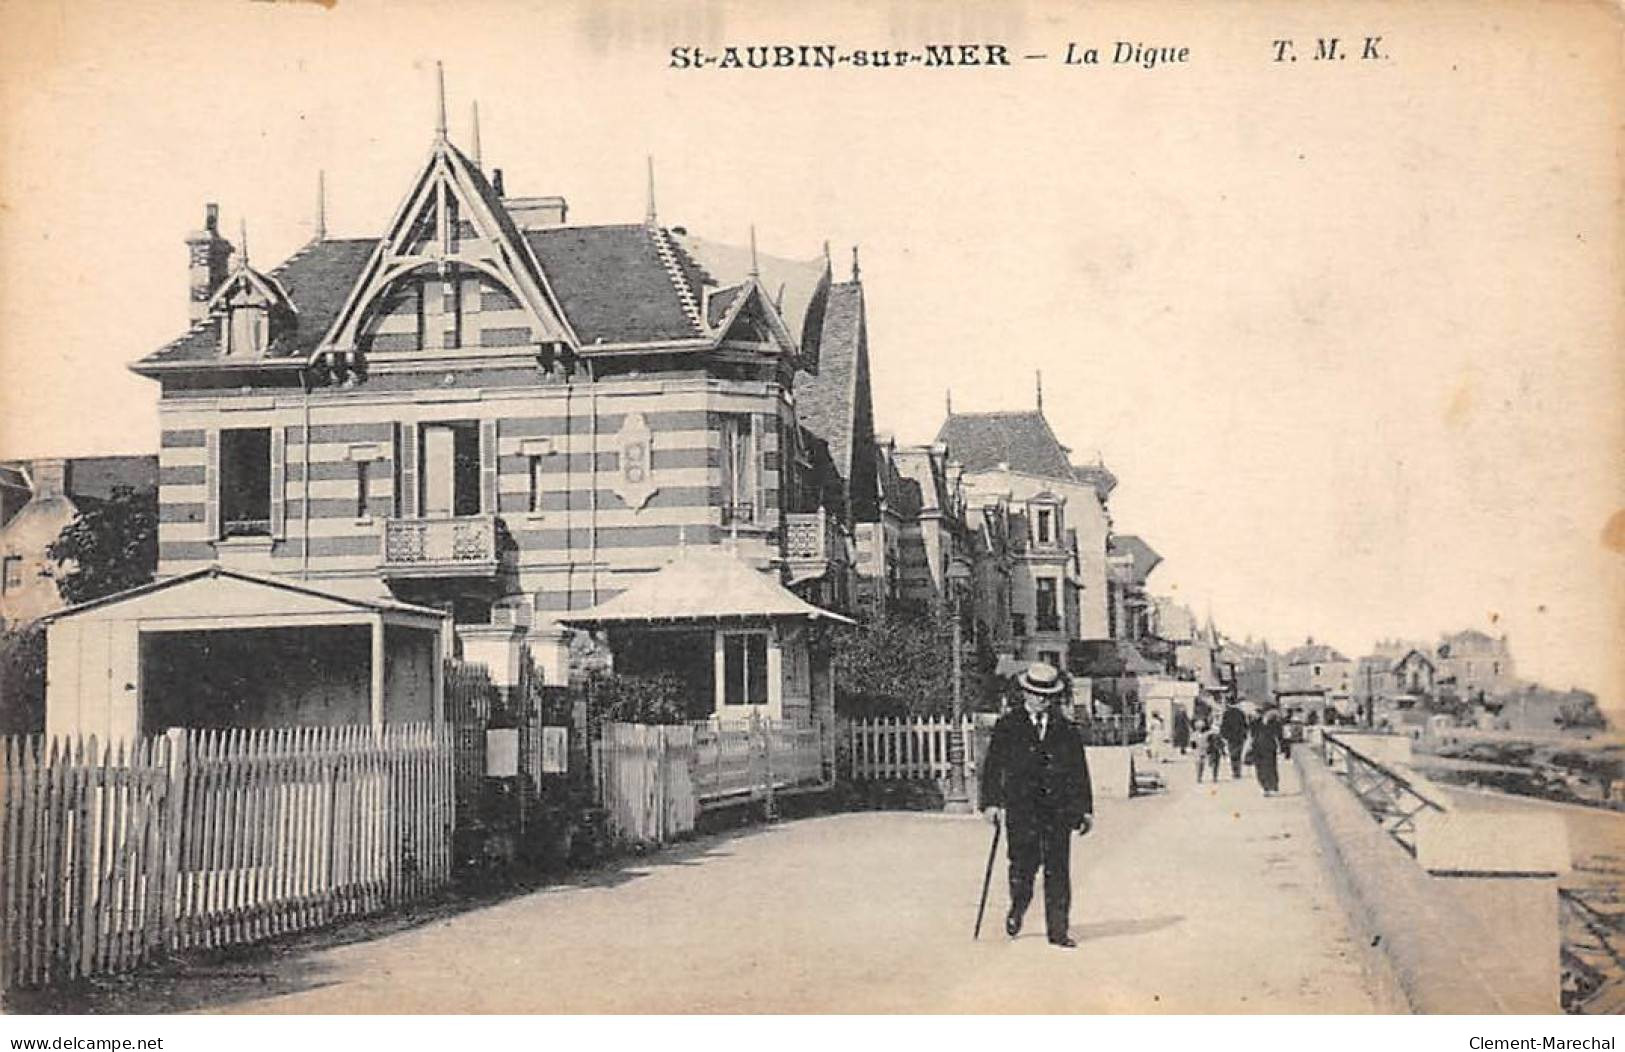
{"x": 813, "y": 544}
{"x": 468, "y": 546}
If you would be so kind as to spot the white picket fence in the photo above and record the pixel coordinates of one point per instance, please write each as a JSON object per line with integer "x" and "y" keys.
{"x": 906, "y": 749}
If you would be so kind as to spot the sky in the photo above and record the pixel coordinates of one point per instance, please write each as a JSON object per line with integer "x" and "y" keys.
{"x": 1349, "y": 333}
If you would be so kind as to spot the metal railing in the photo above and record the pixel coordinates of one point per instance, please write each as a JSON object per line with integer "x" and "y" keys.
{"x": 464, "y": 545}
{"x": 1387, "y": 795}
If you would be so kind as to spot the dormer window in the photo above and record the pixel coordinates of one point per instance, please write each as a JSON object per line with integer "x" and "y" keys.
{"x": 248, "y": 329}
{"x": 1046, "y": 526}
{"x": 254, "y": 311}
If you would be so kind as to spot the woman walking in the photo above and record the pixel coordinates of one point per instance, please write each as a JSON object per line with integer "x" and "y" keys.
{"x": 1265, "y": 747}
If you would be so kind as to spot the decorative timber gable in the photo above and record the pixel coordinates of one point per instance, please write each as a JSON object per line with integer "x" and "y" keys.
{"x": 452, "y": 271}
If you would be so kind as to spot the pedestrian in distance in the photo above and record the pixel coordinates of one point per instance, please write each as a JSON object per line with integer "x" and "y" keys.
{"x": 1182, "y": 730}
{"x": 1209, "y": 751}
{"x": 1266, "y": 747}
{"x": 1233, "y": 729}
{"x": 1036, "y": 781}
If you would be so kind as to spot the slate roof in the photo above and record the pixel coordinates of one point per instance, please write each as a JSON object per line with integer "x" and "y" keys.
{"x": 721, "y": 303}
{"x": 612, "y": 284}
{"x": 1097, "y": 475}
{"x": 96, "y": 477}
{"x": 901, "y": 492}
{"x": 318, "y": 279}
{"x": 1141, "y": 555}
{"x": 1023, "y": 441}
{"x": 825, "y": 403}
{"x": 916, "y": 464}
{"x": 727, "y": 264}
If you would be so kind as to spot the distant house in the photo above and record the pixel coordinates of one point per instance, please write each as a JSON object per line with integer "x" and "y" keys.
{"x": 40, "y": 497}
{"x": 1058, "y": 525}
{"x": 1414, "y": 674}
{"x": 1474, "y": 664}
{"x": 1315, "y": 668}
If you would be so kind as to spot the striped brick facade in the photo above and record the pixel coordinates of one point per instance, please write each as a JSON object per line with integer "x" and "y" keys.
{"x": 550, "y": 468}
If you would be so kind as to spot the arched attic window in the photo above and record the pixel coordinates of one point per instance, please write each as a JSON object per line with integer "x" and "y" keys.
{"x": 444, "y": 305}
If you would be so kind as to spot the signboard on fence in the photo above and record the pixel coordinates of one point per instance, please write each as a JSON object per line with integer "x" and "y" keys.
{"x": 555, "y": 750}
{"x": 501, "y": 752}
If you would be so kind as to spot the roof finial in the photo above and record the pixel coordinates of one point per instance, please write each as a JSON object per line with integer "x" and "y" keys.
{"x": 321, "y": 204}
{"x": 440, "y": 90}
{"x": 242, "y": 237}
{"x": 475, "y": 144}
{"x": 949, "y": 399}
{"x": 855, "y": 270}
{"x": 1039, "y": 374}
{"x": 755, "y": 271}
{"x": 826, "y": 254}
{"x": 649, "y": 210}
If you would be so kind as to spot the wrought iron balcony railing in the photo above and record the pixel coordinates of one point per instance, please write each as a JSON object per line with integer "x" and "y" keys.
{"x": 813, "y": 543}
{"x": 467, "y": 546}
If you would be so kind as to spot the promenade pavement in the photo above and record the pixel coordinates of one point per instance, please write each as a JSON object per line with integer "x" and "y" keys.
{"x": 1201, "y": 899}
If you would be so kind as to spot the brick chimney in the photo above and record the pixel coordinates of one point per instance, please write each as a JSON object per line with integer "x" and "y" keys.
{"x": 50, "y": 478}
{"x": 208, "y": 255}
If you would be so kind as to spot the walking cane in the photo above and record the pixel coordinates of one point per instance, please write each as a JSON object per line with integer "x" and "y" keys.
{"x": 987, "y": 878}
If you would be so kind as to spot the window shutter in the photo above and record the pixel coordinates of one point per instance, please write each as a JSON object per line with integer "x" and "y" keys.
{"x": 488, "y": 466}
{"x": 211, "y": 484}
{"x": 758, "y": 474}
{"x": 409, "y": 470}
{"x": 279, "y": 482}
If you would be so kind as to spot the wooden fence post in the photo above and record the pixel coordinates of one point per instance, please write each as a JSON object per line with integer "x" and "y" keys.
{"x": 174, "y": 811}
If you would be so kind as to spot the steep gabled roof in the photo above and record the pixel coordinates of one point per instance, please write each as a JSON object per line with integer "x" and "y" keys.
{"x": 613, "y": 284}
{"x": 828, "y": 404}
{"x": 317, "y": 279}
{"x": 1021, "y": 441}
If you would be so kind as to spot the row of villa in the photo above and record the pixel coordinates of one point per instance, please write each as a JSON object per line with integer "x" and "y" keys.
{"x": 490, "y": 430}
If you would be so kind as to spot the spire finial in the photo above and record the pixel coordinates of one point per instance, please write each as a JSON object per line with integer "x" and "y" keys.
{"x": 949, "y": 399}
{"x": 826, "y": 254}
{"x": 855, "y": 270}
{"x": 755, "y": 271}
{"x": 321, "y": 204}
{"x": 440, "y": 92}
{"x": 649, "y": 202}
{"x": 242, "y": 238}
{"x": 475, "y": 139}
{"x": 1039, "y": 375}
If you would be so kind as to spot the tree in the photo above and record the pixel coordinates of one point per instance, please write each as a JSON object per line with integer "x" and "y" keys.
{"x": 22, "y": 679}
{"x": 112, "y": 545}
{"x": 902, "y": 664}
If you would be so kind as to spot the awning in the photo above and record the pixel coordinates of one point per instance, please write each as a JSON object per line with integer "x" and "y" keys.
{"x": 703, "y": 583}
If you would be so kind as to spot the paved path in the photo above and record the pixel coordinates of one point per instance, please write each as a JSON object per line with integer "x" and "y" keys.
{"x": 1208, "y": 899}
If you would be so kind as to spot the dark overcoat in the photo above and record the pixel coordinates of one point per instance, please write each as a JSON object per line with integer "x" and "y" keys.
{"x": 1045, "y": 780}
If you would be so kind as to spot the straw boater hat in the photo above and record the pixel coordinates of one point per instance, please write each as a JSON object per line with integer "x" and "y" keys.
{"x": 1041, "y": 678}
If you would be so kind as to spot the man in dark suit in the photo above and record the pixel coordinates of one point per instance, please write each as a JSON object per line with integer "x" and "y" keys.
{"x": 1036, "y": 779}
{"x": 1233, "y": 729}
